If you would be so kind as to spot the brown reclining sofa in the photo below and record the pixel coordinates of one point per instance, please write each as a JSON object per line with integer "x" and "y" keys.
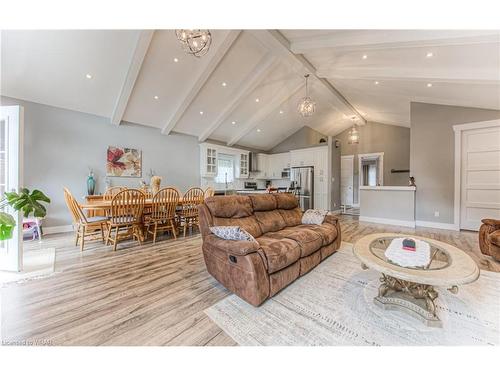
{"x": 285, "y": 248}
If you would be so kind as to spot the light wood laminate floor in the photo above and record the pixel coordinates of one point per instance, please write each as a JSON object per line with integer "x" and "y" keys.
{"x": 144, "y": 295}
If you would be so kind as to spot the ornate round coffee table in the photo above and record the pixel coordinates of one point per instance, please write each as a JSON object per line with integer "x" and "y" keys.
{"x": 411, "y": 289}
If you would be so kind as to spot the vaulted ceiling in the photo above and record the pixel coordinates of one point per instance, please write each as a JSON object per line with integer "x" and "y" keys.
{"x": 246, "y": 89}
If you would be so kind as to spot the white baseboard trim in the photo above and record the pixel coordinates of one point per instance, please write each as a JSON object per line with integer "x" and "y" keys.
{"x": 335, "y": 212}
{"x": 380, "y": 220}
{"x": 433, "y": 224}
{"x": 57, "y": 229}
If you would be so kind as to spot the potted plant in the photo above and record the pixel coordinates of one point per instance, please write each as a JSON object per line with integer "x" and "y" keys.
{"x": 25, "y": 201}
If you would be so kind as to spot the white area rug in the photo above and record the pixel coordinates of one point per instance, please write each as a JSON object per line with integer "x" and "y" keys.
{"x": 333, "y": 305}
{"x": 37, "y": 263}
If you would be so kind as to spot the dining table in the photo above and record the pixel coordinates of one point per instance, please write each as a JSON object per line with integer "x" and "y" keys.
{"x": 97, "y": 207}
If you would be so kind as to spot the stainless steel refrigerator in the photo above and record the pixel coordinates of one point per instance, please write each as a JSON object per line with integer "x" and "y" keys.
{"x": 302, "y": 178}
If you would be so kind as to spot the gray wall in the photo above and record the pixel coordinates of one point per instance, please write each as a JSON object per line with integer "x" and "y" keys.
{"x": 393, "y": 141}
{"x": 60, "y": 145}
{"x": 432, "y": 160}
{"x": 304, "y": 137}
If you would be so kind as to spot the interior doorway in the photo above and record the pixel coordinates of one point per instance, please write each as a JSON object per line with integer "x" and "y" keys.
{"x": 371, "y": 169}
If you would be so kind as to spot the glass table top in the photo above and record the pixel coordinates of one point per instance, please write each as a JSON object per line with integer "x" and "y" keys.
{"x": 439, "y": 258}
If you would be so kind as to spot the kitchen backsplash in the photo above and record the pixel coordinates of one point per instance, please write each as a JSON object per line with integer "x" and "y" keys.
{"x": 239, "y": 184}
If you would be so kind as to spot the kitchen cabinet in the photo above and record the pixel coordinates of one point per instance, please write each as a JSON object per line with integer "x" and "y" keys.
{"x": 208, "y": 160}
{"x": 277, "y": 163}
{"x": 242, "y": 170}
{"x": 263, "y": 166}
{"x": 302, "y": 158}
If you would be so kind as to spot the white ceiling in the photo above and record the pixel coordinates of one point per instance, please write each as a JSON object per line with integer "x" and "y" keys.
{"x": 130, "y": 68}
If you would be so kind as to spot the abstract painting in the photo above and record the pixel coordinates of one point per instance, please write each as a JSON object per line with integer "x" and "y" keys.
{"x": 124, "y": 162}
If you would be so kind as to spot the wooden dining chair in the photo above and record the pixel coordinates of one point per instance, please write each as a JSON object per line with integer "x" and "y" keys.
{"x": 84, "y": 226}
{"x": 209, "y": 192}
{"x": 162, "y": 215}
{"x": 188, "y": 215}
{"x": 126, "y": 216}
{"x": 112, "y": 191}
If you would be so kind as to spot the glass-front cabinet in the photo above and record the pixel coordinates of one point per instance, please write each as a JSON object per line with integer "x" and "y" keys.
{"x": 244, "y": 165}
{"x": 208, "y": 161}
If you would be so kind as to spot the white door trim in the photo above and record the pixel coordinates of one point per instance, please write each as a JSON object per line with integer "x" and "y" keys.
{"x": 458, "y": 129}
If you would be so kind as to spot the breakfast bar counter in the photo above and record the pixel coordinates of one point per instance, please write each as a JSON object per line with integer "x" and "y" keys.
{"x": 388, "y": 205}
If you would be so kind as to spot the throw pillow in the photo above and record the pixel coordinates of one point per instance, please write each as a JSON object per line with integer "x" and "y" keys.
{"x": 314, "y": 216}
{"x": 232, "y": 233}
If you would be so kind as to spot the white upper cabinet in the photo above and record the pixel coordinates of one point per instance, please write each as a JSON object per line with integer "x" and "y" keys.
{"x": 302, "y": 158}
{"x": 242, "y": 170}
{"x": 277, "y": 163}
{"x": 208, "y": 160}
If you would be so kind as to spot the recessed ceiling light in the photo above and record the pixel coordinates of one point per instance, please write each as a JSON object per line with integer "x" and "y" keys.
{"x": 429, "y": 85}
{"x": 156, "y": 97}
{"x": 224, "y": 84}
{"x": 258, "y": 130}
{"x": 234, "y": 122}
{"x": 88, "y": 76}
{"x": 176, "y": 59}
{"x": 201, "y": 112}
{"x": 429, "y": 54}
{"x": 376, "y": 82}
{"x": 257, "y": 100}
{"x": 365, "y": 57}
{"x": 281, "y": 112}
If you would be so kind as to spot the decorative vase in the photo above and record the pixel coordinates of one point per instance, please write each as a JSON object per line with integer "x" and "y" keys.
{"x": 91, "y": 184}
{"x": 155, "y": 184}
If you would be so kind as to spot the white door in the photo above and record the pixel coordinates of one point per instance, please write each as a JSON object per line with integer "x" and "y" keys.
{"x": 11, "y": 132}
{"x": 480, "y": 174}
{"x": 346, "y": 180}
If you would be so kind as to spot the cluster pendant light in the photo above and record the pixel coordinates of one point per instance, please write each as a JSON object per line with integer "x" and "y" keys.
{"x": 195, "y": 42}
{"x": 306, "y": 105}
{"x": 353, "y": 136}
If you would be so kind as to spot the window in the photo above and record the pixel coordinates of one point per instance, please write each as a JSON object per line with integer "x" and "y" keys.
{"x": 225, "y": 169}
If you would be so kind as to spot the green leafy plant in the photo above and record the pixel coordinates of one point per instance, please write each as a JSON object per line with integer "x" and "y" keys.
{"x": 28, "y": 202}
{"x": 25, "y": 201}
{"x": 7, "y": 224}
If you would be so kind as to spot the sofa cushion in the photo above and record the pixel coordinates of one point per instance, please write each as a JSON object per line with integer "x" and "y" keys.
{"x": 232, "y": 206}
{"x": 263, "y": 202}
{"x": 327, "y": 231}
{"x": 232, "y": 232}
{"x": 292, "y": 217}
{"x": 249, "y": 224}
{"x": 279, "y": 252}
{"x": 308, "y": 240}
{"x": 286, "y": 201}
{"x": 270, "y": 221}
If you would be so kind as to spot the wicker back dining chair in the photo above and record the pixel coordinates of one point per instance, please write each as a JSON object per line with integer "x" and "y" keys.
{"x": 162, "y": 216}
{"x": 210, "y": 192}
{"x": 188, "y": 215}
{"x": 126, "y": 214}
{"x": 84, "y": 226}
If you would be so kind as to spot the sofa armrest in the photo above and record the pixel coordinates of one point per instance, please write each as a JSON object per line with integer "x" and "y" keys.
{"x": 492, "y": 222}
{"x": 231, "y": 246}
{"x": 331, "y": 219}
